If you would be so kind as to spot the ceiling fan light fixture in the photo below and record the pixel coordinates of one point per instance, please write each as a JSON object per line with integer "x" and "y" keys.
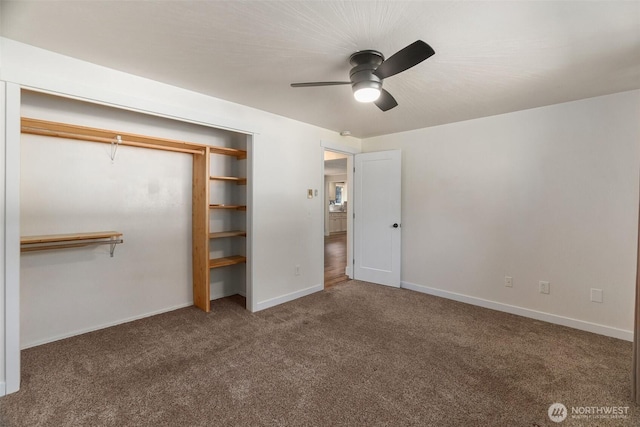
{"x": 367, "y": 94}
{"x": 370, "y": 68}
{"x": 367, "y": 91}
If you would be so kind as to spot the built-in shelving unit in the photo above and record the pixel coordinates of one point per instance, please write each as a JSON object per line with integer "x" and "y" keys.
{"x": 205, "y": 212}
{"x": 202, "y": 208}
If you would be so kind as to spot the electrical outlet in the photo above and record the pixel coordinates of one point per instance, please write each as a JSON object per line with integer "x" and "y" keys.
{"x": 545, "y": 287}
{"x": 508, "y": 281}
{"x": 296, "y": 270}
{"x": 596, "y": 295}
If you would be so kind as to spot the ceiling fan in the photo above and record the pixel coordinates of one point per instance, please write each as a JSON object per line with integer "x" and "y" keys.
{"x": 370, "y": 69}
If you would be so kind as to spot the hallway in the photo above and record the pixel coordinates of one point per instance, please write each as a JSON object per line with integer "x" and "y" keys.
{"x": 335, "y": 259}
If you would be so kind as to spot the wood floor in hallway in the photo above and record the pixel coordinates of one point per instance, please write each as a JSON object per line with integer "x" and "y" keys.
{"x": 335, "y": 259}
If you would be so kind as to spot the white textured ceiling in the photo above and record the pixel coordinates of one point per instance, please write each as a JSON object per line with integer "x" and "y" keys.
{"x": 491, "y": 57}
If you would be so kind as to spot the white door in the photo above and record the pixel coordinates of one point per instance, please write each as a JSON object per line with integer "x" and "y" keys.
{"x": 377, "y": 233}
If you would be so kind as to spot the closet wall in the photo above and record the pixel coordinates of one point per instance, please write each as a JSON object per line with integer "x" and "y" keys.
{"x": 74, "y": 186}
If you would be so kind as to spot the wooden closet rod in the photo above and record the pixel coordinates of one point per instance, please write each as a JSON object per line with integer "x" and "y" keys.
{"x": 70, "y": 240}
{"x": 83, "y": 133}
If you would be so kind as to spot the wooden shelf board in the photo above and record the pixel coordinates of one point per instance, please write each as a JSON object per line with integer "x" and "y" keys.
{"x": 70, "y": 237}
{"x": 240, "y": 154}
{"x": 71, "y": 240}
{"x": 223, "y": 262}
{"x": 69, "y": 131}
{"x": 223, "y": 234}
{"x": 84, "y": 133}
{"x": 240, "y": 181}
{"x": 236, "y": 207}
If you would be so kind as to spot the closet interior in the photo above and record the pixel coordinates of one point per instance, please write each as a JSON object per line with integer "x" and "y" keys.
{"x": 200, "y": 185}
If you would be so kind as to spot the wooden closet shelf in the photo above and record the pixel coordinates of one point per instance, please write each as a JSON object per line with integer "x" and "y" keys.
{"x": 240, "y": 181}
{"x": 84, "y": 133}
{"x": 223, "y": 262}
{"x": 223, "y": 234}
{"x": 52, "y": 238}
{"x": 71, "y": 240}
{"x": 236, "y": 207}
{"x": 239, "y": 154}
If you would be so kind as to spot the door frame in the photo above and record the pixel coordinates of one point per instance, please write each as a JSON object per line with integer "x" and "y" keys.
{"x": 11, "y": 249}
{"x": 349, "y": 151}
{"x": 635, "y": 370}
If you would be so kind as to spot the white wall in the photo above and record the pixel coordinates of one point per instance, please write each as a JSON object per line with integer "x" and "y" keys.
{"x": 287, "y": 227}
{"x": 543, "y": 194}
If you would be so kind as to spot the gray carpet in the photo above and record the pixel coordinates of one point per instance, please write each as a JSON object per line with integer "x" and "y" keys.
{"x": 355, "y": 355}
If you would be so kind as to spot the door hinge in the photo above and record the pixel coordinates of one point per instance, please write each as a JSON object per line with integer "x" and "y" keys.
{"x": 354, "y": 169}
{"x": 354, "y": 261}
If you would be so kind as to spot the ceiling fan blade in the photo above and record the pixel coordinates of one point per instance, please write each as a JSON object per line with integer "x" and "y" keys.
{"x": 404, "y": 59}
{"x": 311, "y": 84}
{"x": 385, "y": 101}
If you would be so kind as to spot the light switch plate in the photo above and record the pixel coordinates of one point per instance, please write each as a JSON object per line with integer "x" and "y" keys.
{"x": 545, "y": 287}
{"x": 596, "y": 295}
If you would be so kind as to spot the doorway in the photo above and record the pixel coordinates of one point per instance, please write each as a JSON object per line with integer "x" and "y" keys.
{"x": 336, "y": 212}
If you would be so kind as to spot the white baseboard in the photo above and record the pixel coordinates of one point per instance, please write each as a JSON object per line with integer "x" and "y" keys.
{"x": 104, "y": 325}
{"x": 3, "y": 388}
{"x": 525, "y": 312}
{"x": 288, "y": 297}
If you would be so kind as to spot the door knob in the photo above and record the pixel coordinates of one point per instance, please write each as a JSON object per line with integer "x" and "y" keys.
{"x": 395, "y": 225}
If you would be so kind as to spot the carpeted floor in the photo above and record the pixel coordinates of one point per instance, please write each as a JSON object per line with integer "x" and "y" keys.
{"x": 355, "y": 355}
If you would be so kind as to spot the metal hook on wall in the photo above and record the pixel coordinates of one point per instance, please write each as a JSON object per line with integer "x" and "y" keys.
{"x": 114, "y": 146}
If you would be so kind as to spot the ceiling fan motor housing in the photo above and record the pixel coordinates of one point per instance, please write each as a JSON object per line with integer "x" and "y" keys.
{"x": 364, "y": 64}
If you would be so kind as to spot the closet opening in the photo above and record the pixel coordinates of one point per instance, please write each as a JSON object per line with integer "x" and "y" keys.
{"x": 174, "y": 195}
